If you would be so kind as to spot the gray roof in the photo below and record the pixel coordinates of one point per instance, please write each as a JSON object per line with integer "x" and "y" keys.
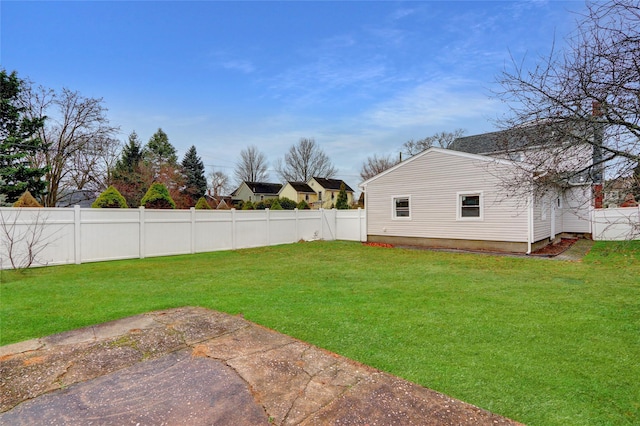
{"x": 262, "y": 188}
{"x": 302, "y": 187}
{"x": 333, "y": 184}
{"x": 488, "y": 143}
{"x": 523, "y": 137}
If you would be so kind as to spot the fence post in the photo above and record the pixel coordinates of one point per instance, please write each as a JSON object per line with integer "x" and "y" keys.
{"x": 360, "y": 224}
{"x": 297, "y": 218}
{"x": 141, "y": 228}
{"x": 76, "y": 236}
{"x": 268, "y": 217}
{"x": 321, "y": 223}
{"x": 233, "y": 229}
{"x": 193, "y": 229}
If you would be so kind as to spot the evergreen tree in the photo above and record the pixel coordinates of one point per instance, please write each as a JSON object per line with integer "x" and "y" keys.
{"x": 110, "y": 199}
{"x": 202, "y": 204}
{"x": 193, "y": 170}
{"x": 341, "y": 202}
{"x": 3, "y": 197}
{"x": 157, "y": 197}
{"x": 128, "y": 176}
{"x": 18, "y": 143}
{"x": 159, "y": 150}
{"x": 131, "y": 156}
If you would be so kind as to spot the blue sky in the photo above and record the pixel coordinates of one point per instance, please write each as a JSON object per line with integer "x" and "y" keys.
{"x": 359, "y": 77}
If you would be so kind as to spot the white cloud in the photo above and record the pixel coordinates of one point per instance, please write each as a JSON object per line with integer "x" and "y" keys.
{"x": 240, "y": 65}
{"x": 439, "y": 103}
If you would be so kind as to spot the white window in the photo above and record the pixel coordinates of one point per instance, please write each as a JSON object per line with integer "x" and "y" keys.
{"x": 470, "y": 206}
{"x": 402, "y": 207}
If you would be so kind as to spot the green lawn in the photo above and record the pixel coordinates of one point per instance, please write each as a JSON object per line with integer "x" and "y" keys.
{"x": 543, "y": 342}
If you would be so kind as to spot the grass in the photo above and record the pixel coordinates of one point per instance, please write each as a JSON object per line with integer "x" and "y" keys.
{"x": 543, "y": 342}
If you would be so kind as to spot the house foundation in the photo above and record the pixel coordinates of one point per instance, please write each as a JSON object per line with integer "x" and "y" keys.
{"x": 455, "y": 244}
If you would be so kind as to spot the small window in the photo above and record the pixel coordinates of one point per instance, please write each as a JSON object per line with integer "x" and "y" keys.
{"x": 306, "y": 197}
{"x": 469, "y": 206}
{"x": 333, "y": 194}
{"x": 320, "y": 195}
{"x": 401, "y": 208}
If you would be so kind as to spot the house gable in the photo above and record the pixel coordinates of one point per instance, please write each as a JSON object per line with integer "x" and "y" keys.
{"x": 298, "y": 191}
{"x": 431, "y": 151}
{"x": 328, "y": 189}
{"x": 256, "y": 191}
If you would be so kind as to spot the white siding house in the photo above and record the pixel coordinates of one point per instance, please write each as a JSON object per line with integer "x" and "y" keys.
{"x": 451, "y": 199}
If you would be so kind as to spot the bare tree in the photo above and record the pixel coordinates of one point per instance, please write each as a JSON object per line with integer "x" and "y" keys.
{"x": 252, "y": 167}
{"x": 440, "y": 140}
{"x": 80, "y": 141}
{"x": 581, "y": 100}
{"x": 375, "y": 165}
{"x": 220, "y": 183}
{"x": 304, "y": 161}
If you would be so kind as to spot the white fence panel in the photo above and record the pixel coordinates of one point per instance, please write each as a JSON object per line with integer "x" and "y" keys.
{"x": 351, "y": 225}
{"x": 24, "y": 227}
{"x": 167, "y": 232}
{"x": 616, "y": 224}
{"x": 109, "y": 234}
{"x": 250, "y": 229}
{"x": 75, "y": 235}
{"x": 282, "y": 227}
{"x": 309, "y": 224}
{"x": 214, "y": 230}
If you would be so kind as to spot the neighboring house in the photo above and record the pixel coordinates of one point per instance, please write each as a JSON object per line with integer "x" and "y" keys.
{"x": 299, "y": 191}
{"x": 81, "y": 197}
{"x": 328, "y": 190}
{"x": 453, "y": 199}
{"x": 256, "y": 191}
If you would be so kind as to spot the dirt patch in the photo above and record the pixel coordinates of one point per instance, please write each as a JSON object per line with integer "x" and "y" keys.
{"x": 555, "y": 249}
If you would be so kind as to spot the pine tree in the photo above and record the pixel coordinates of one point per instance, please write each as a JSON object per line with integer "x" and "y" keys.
{"x": 18, "y": 142}
{"x": 159, "y": 150}
{"x": 127, "y": 174}
{"x": 341, "y": 202}
{"x": 131, "y": 155}
{"x": 193, "y": 169}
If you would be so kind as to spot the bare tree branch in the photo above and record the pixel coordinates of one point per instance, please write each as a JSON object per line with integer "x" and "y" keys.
{"x": 304, "y": 161}
{"x": 252, "y": 167}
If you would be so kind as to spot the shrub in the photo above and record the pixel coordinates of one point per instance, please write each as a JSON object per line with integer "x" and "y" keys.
{"x": 302, "y": 205}
{"x": 247, "y": 205}
{"x": 26, "y": 200}
{"x": 287, "y": 204}
{"x": 110, "y": 198}
{"x": 275, "y": 205}
{"x": 157, "y": 197}
{"x": 261, "y": 205}
{"x": 202, "y": 204}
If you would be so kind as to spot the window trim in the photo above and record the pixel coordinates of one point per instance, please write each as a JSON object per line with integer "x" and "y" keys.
{"x": 459, "y": 196}
{"x": 394, "y": 211}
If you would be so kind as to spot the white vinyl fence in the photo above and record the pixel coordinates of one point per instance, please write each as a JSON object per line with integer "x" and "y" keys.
{"x": 616, "y": 224}
{"x": 79, "y": 235}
